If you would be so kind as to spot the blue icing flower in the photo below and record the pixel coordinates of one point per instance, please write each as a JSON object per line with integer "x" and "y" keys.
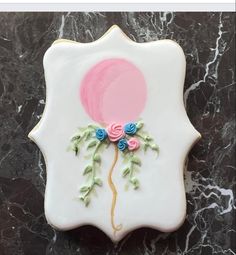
{"x": 122, "y": 144}
{"x": 101, "y": 134}
{"x": 130, "y": 128}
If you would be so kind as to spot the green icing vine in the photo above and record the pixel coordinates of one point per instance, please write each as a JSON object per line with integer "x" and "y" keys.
{"x": 132, "y": 161}
{"x": 79, "y": 139}
{"x": 128, "y": 138}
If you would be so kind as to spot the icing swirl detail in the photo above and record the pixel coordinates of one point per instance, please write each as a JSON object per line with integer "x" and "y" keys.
{"x": 115, "y": 132}
{"x": 101, "y": 134}
{"x": 130, "y": 128}
{"x": 122, "y": 144}
{"x": 133, "y": 144}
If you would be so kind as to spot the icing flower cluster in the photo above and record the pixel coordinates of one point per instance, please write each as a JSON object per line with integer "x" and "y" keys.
{"x": 121, "y": 135}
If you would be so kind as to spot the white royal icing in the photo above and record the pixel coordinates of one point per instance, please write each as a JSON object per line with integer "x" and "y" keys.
{"x": 160, "y": 201}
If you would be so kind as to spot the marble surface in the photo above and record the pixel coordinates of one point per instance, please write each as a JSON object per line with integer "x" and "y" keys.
{"x": 208, "y": 41}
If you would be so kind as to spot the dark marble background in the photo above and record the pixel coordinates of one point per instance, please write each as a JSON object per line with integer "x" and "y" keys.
{"x": 208, "y": 41}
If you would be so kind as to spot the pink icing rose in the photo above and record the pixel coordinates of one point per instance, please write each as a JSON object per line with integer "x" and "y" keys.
{"x": 115, "y": 132}
{"x": 133, "y": 144}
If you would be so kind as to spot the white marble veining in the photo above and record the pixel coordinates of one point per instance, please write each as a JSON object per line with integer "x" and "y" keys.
{"x": 208, "y": 42}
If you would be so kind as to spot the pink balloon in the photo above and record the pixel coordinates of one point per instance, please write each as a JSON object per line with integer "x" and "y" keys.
{"x": 114, "y": 90}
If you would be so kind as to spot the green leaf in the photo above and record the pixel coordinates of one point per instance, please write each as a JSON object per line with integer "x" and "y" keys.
{"x": 87, "y": 135}
{"x": 148, "y": 138}
{"x": 126, "y": 171}
{"x": 76, "y": 137}
{"x": 135, "y": 183}
{"x": 92, "y": 126}
{"x": 92, "y": 144}
{"x": 76, "y": 149}
{"x": 136, "y": 160}
{"x": 97, "y": 158}
{"x": 139, "y": 125}
{"x": 81, "y": 198}
{"x": 86, "y": 201}
{"x": 145, "y": 147}
{"x": 87, "y": 170}
{"x": 155, "y": 147}
{"x": 84, "y": 189}
{"x": 98, "y": 182}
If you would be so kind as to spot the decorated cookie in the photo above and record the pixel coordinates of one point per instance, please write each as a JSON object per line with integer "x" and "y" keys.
{"x": 115, "y": 134}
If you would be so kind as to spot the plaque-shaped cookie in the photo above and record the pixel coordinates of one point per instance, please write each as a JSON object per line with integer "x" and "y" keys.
{"x": 115, "y": 134}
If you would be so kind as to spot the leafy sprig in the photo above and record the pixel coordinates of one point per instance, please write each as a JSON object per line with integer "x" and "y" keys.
{"x": 86, "y": 135}
{"x": 91, "y": 172}
{"x": 146, "y": 139}
{"x": 81, "y": 136}
{"x": 133, "y": 162}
